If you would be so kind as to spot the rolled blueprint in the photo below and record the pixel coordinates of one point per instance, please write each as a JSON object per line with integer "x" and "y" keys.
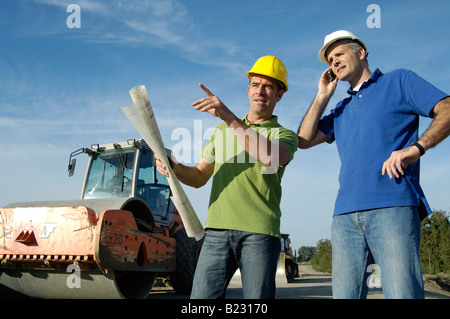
{"x": 141, "y": 116}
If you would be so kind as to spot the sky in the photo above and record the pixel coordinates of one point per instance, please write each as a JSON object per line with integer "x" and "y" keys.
{"x": 64, "y": 77}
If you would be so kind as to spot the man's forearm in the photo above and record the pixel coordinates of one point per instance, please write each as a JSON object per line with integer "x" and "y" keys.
{"x": 436, "y": 133}
{"x": 310, "y": 123}
{"x": 194, "y": 176}
{"x": 440, "y": 126}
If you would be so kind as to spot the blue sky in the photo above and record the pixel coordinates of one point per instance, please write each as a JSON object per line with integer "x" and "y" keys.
{"x": 62, "y": 88}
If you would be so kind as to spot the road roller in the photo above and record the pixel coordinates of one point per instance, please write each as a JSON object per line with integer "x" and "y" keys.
{"x": 112, "y": 242}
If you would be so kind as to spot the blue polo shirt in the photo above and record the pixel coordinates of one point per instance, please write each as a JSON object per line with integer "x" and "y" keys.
{"x": 379, "y": 118}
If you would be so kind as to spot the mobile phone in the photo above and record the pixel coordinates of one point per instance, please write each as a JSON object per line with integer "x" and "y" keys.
{"x": 331, "y": 75}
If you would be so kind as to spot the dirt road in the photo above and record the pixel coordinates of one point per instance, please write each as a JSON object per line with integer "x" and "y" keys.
{"x": 311, "y": 285}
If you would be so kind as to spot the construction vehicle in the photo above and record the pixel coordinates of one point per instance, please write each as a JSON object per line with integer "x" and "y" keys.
{"x": 111, "y": 243}
{"x": 287, "y": 268}
{"x": 290, "y": 266}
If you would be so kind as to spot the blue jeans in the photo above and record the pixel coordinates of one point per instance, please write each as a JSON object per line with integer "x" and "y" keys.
{"x": 224, "y": 251}
{"x": 388, "y": 237}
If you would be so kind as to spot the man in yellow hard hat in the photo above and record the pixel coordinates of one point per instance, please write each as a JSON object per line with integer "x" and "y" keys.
{"x": 248, "y": 157}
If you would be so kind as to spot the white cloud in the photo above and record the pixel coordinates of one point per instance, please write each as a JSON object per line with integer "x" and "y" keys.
{"x": 157, "y": 23}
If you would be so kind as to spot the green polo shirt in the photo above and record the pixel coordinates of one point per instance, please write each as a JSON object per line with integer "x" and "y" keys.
{"x": 246, "y": 195}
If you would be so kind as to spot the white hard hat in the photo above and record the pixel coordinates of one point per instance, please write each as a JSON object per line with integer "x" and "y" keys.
{"x": 335, "y": 36}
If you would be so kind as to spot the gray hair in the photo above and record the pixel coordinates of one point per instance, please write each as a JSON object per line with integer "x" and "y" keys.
{"x": 352, "y": 44}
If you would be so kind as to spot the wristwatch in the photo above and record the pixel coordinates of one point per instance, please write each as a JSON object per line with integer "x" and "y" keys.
{"x": 420, "y": 147}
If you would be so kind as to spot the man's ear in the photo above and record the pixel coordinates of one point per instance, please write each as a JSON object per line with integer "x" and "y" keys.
{"x": 362, "y": 53}
{"x": 280, "y": 94}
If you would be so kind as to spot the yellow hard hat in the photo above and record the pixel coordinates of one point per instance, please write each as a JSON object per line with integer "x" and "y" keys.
{"x": 272, "y": 67}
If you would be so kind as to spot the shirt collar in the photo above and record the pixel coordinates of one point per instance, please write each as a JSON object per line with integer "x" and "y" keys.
{"x": 269, "y": 123}
{"x": 373, "y": 78}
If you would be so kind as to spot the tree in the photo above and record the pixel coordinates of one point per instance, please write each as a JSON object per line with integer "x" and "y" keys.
{"x": 322, "y": 259}
{"x": 305, "y": 253}
{"x": 435, "y": 243}
{"x": 434, "y": 246}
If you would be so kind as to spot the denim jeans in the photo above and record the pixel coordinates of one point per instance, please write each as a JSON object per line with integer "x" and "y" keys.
{"x": 390, "y": 238}
{"x": 224, "y": 251}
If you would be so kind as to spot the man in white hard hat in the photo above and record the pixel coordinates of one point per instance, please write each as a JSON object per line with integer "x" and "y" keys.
{"x": 380, "y": 203}
{"x": 247, "y": 158}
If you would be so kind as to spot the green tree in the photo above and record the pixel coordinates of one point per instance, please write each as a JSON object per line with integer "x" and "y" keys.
{"x": 321, "y": 261}
{"x": 305, "y": 253}
{"x": 435, "y": 243}
{"x": 434, "y": 246}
